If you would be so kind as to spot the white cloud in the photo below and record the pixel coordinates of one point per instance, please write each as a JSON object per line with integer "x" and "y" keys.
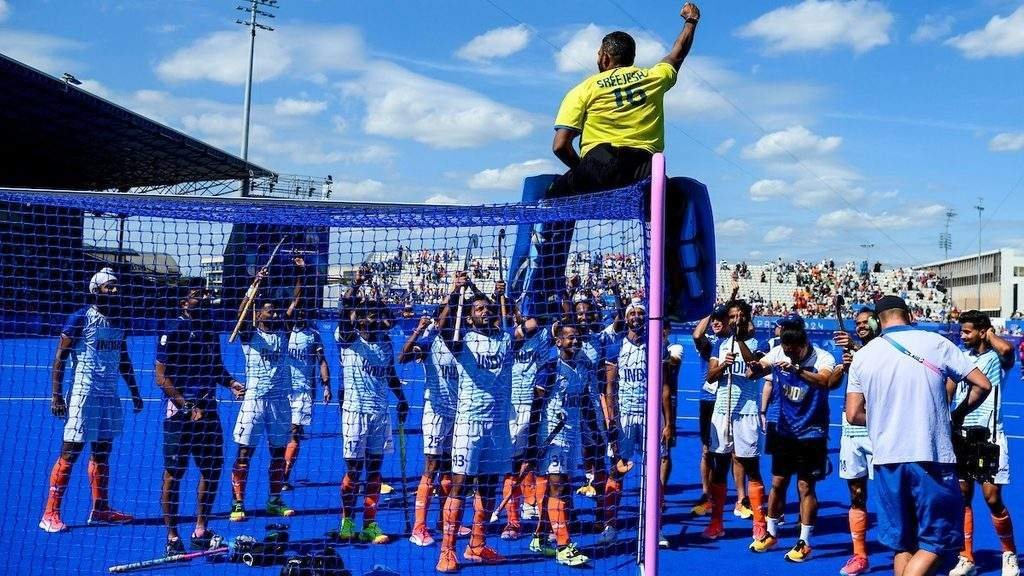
{"x": 1007, "y": 142}
{"x": 726, "y": 145}
{"x": 908, "y": 217}
{"x": 510, "y": 177}
{"x": 778, "y": 234}
{"x": 5, "y": 10}
{"x": 795, "y": 140}
{"x": 497, "y": 43}
{"x": 1000, "y": 37}
{"x": 299, "y": 107}
{"x": 822, "y": 25}
{"x": 764, "y": 190}
{"x": 932, "y": 28}
{"x": 368, "y": 189}
{"x": 42, "y": 51}
{"x": 403, "y": 104}
{"x": 340, "y": 124}
{"x": 732, "y": 227}
{"x": 579, "y": 54}
{"x": 442, "y": 199}
{"x": 302, "y": 50}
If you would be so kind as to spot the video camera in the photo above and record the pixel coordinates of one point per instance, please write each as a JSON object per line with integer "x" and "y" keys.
{"x": 977, "y": 458}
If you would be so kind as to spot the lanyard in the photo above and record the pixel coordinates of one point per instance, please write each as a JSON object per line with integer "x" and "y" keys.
{"x": 902, "y": 349}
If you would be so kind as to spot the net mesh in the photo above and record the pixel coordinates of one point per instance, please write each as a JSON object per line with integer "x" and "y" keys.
{"x": 342, "y": 290}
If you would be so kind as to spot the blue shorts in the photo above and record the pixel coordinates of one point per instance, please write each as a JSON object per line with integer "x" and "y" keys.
{"x": 919, "y": 507}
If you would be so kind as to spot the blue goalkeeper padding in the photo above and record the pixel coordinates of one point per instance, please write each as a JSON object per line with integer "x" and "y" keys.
{"x": 690, "y": 262}
{"x": 690, "y": 273}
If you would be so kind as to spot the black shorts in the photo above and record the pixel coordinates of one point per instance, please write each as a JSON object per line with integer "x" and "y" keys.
{"x": 808, "y": 459}
{"x": 707, "y": 409}
{"x": 605, "y": 167}
{"x": 771, "y": 435}
{"x": 202, "y": 440}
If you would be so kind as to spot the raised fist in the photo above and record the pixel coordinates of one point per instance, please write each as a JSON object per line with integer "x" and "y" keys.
{"x": 690, "y": 12}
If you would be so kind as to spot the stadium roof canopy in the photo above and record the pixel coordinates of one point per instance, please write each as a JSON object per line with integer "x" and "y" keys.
{"x": 58, "y": 136}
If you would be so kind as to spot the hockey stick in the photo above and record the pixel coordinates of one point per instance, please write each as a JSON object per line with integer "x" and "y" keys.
{"x": 519, "y": 478}
{"x": 728, "y": 382}
{"x": 402, "y": 456}
{"x": 838, "y": 303}
{"x": 501, "y": 270}
{"x": 184, "y": 557}
{"x": 474, "y": 241}
{"x": 250, "y": 294}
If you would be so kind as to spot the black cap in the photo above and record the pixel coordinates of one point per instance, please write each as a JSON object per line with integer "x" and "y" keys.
{"x": 890, "y": 302}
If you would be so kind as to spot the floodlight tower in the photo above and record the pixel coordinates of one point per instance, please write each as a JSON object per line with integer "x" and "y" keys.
{"x": 980, "y": 208}
{"x": 254, "y": 11}
{"x": 945, "y": 238}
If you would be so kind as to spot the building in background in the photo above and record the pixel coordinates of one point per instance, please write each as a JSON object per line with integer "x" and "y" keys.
{"x": 1002, "y": 273}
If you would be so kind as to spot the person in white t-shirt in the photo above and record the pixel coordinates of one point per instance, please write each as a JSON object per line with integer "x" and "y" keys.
{"x": 897, "y": 387}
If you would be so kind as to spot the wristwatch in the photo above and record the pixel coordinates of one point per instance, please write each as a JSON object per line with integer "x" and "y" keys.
{"x": 188, "y": 406}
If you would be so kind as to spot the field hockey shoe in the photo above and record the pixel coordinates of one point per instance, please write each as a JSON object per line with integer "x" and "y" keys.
{"x": 800, "y": 552}
{"x": 742, "y": 509}
{"x": 108, "y": 517}
{"x": 1010, "y": 567}
{"x": 421, "y": 536}
{"x": 208, "y": 541}
{"x": 237, "y": 511}
{"x": 964, "y": 567}
{"x": 764, "y": 544}
{"x": 347, "y": 529}
{"x": 539, "y": 545}
{"x": 855, "y": 566}
{"x": 448, "y": 562}
{"x": 530, "y": 512}
{"x": 277, "y": 507}
{"x": 373, "y": 534}
{"x": 608, "y": 536}
{"x": 511, "y": 532}
{"x": 483, "y": 554}
{"x": 702, "y": 507}
{"x": 52, "y": 523}
{"x": 570, "y": 556}
{"x": 174, "y": 547}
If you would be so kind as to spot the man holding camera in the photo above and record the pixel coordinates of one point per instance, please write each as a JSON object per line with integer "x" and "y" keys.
{"x": 984, "y": 426}
{"x": 897, "y": 387}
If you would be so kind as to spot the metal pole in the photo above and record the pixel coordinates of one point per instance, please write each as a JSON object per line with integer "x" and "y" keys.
{"x": 652, "y": 462}
{"x": 980, "y": 208}
{"x": 248, "y": 82}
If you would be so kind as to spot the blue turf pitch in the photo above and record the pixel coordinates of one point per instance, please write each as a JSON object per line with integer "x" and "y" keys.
{"x": 31, "y": 441}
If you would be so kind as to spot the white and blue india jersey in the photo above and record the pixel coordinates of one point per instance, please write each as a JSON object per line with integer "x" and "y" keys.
{"x": 574, "y": 387}
{"x": 304, "y": 349}
{"x": 745, "y": 392}
{"x": 533, "y": 351}
{"x": 96, "y": 355}
{"x": 365, "y": 369}
{"x": 266, "y": 364}
{"x": 992, "y": 368}
{"x": 442, "y": 378}
{"x": 485, "y": 378}
{"x": 631, "y": 360}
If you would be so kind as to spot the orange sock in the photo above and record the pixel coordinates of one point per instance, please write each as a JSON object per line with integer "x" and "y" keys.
{"x": 446, "y": 485}
{"x": 291, "y": 452}
{"x": 718, "y": 493}
{"x": 60, "y": 475}
{"x": 371, "y": 498}
{"x": 559, "y": 517}
{"x": 858, "y": 531}
{"x": 452, "y": 521}
{"x": 348, "y": 495}
{"x": 540, "y": 493}
{"x": 479, "y": 536}
{"x": 239, "y": 476}
{"x": 612, "y": 497}
{"x": 99, "y": 481}
{"x": 514, "y": 493}
{"x": 1004, "y": 529}
{"x": 529, "y": 488}
{"x": 968, "y": 551}
{"x": 755, "y": 491}
{"x": 423, "y": 500}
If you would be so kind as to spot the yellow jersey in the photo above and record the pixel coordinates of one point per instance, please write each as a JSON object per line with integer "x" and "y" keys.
{"x": 622, "y": 107}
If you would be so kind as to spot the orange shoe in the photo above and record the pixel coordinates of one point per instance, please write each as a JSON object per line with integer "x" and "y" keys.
{"x": 714, "y": 531}
{"x": 448, "y": 563}
{"x": 52, "y": 523}
{"x": 483, "y": 554}
{"x": 421, "y": 536}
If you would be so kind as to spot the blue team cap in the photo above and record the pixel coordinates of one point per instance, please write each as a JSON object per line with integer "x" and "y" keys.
{"x": 719, "y": 312}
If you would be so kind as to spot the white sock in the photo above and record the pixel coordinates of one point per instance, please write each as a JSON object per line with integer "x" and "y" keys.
{"x": 805, "y": 533}
{"x": 773, "y": 526}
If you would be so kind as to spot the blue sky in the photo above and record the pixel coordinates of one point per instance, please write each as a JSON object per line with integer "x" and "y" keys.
{"x": 818, "y": 126}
